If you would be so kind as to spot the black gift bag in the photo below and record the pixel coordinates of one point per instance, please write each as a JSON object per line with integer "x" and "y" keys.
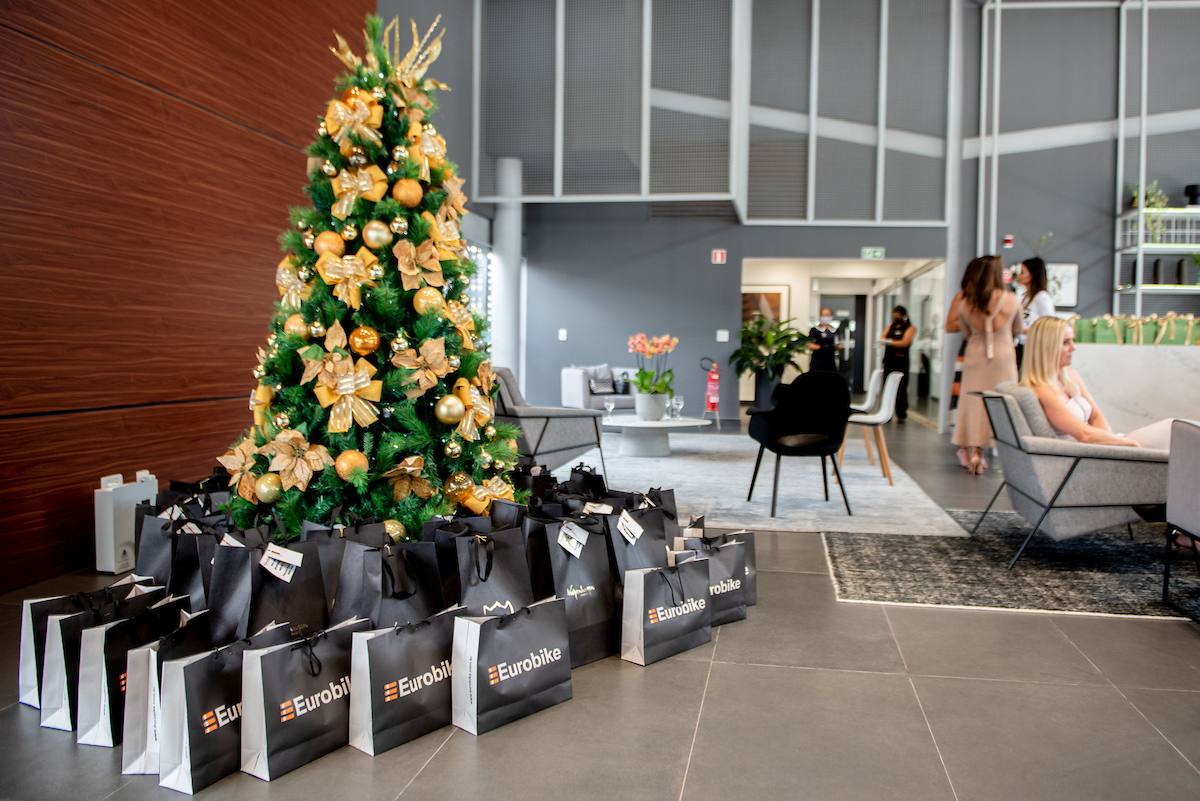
{"x": 726, "y": 578}
{"x": 637, "y": 539}
{"x": 666, "y": 611}
{"x": 690, "y": 541}
{"x": 443, "y": 534}
{"x": 296, "y": 701}
{"x": 493, "y": 572}
{"x": 176, "y": 545}
{"x": 585, "y": 481}
{"x": 331, "y": 539}
{"x": 246, "y": 596}
{"x": 398, "y": 583}
{"x": 506, "y": 514}
{"x": 401, "y": 681}
{"x": 535, "y": 478}
{"x": 582, "y": 577}
{"x": 201, "y": 713}
{"x": 510, "y": 666}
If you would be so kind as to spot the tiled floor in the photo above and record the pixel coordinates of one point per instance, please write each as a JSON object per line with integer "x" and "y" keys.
{"x": 807, "y": 699}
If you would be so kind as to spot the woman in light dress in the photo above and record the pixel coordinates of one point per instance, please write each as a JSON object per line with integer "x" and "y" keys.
{"x": 1037, "y": 302}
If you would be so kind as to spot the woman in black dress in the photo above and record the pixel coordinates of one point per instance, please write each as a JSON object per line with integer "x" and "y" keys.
{"x": 898, "y": 338}
{"x": 823, "y": 344}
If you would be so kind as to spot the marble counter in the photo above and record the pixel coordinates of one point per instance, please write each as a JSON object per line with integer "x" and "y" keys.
{"x": 1139, "y": 384}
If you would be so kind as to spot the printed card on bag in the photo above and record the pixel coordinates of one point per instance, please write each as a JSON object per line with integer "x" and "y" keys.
{"x": 281, "y": 562}
{"x": 569, "y": 544}
{"x": 575, "y": 532}
{"x": 593, "y": 508}
{"x": 630, "y": 529}
{"x": 231, "y": 542}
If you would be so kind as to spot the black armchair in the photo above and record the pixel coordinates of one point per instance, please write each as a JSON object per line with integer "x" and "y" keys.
{"x": 808, "y": 419}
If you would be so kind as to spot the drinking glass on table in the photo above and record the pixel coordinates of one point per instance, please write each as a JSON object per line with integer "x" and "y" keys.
{"x": 676, "y": 406}
{"x": 609, "y": 405}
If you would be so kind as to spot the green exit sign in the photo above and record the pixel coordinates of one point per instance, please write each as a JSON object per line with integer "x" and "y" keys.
{"x": 874, "y": 254}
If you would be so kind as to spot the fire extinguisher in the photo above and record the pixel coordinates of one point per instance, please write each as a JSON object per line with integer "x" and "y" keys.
{"x": 712, "y": 389}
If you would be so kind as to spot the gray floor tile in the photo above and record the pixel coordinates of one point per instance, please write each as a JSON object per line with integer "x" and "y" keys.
{"x": 776, "y": 732}
{"x": 1163, "y": 654}
{"x": 990, "y": 645}
{"x": 1176, "y": 714}
{"x": 791, "y": 551}
{"x": 625, "y": 735}
{"x": 798, "y": 622}
{"x": 37, "y": 763}
{"x": 1006, "y": 740}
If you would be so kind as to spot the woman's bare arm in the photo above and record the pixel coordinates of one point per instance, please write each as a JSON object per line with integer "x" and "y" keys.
{"x": 1098, "y": 419}
{"x": 952, "y": 324}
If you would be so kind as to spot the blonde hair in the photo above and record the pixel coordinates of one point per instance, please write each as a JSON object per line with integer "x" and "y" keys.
{"x": 1043, "y": 355}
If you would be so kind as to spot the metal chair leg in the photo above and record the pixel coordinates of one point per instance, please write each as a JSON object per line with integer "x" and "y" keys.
{"x": 979, "y": 522}
{"x": 842, "y": 486}
{"x": 603, "y": 466}
{"x": 754, "y": 477}
{"x": 1167, "y": 557}
{"x": 1046, "y": 511}
{"x": 775, "y": 488}
{"x": 825, "y": 477}
{"x": 1129, "y": 528}
{"x": 1021, "y": 550}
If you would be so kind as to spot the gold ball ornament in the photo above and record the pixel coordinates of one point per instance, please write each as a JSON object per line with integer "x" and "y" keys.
{"x": 303, "y": 274}
{"x": 329, "y": 168}
{"x": 454, "y": 362}
{"x": 399, "y": 343}
{"x": 376, "y": 235}
{"x": 427, "y": 300}
{"x": 269, "y": 487}
{"x": 464, "y": 299}
{"x": 364, "y": 340}
{"x": 490, "y": 432}
{"x": 379, "y": 93}
{"x": 349, "y": 461}
{"x": 485, "y": 458}
{"x": 376, "y": 272}
{"x": 295, "y": 326}
{"x": 498, "y": 465}
{"x": 449, "y": 409}
{"x": 315, "y": 329}
{"x": 308, "y": 239}
{"x": 259, "y": 371}
{"x": 399, "y": 225}
{"x": 303, "y": 225}
{"x": 349, "y": 231}
{"x": 394, "y": 529}
{"x": 453, "y": 449}
{"x": 399, "y": 153}
{"x": 458, "y": 483}
{"x": 408, "y": 193}
{"x": 282, "y": 420}
{"x": 329, "y": 242}
{"x": 357, "y": 157}
{"x": 322, "y": 130}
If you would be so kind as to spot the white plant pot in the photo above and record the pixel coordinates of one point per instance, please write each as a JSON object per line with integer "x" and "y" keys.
{"x": 650, "y": 407}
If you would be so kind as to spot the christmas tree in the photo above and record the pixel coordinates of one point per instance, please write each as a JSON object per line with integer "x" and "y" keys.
{"x": 375, "y": 393}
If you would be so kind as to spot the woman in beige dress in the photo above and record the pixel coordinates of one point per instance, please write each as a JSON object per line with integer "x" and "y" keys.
{"x": 990, "y": 319}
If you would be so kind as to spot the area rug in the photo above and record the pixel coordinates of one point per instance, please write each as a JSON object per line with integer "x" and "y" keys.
{"x": 710, "y": 474}
{"x": 1102, "y": 573}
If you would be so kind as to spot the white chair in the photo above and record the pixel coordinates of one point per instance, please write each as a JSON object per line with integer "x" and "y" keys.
{"x": 876, "y": 419}
{"x": 868, "y": 406}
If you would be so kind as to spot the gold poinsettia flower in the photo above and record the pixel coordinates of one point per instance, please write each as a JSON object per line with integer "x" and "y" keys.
{"x": 239, "y": 462}
{"x": 418, "y": 266}
{"x": 406, "y": 479}
{"x": 485, "y": 378}
{"x": 322, "y": 364}
{"x": 294, "y": 459}
{"x": 429, "y": 365}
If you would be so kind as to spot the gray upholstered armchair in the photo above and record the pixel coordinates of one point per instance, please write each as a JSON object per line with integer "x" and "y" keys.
{"x": 1183, "y": 502}
{"x": 551, "y": 435}
{"x": 1066, "y": 488}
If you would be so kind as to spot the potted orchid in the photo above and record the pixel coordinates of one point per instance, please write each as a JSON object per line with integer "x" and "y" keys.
{"x": 654, "y": 381}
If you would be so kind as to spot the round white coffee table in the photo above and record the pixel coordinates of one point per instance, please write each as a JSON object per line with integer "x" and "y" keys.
{"x": 649, "y": 437}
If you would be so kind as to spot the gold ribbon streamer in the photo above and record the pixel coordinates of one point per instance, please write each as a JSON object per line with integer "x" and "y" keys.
{"x": 260, "y": 404}
{"x": 429, "y": 365}
{"x": 406, "y": 478}
{"x": 479, "y": 409}
{"x": 427, "y": 151}
{"x": 369, "y": 183}
{"x": 348, "y": 274}
{"x": 352, "y": 397}
{"x": 418, "y": 265}
{"x": 239, "y": 461}
{"x": 292, "y": 291}
{"x": 464, "y": 323}
{"x": 1116, "y": 325}
{"x": 358, "y": 113}
{"x": 1167, "y": 322}
{"x": 480, "y": 496}
{"x": 294, "y": 459}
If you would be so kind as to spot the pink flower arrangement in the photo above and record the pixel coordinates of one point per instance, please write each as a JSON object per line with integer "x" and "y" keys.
{"x": 655, "y": 349}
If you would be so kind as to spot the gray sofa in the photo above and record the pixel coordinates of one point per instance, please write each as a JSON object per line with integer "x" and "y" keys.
{"x": 550, "y": 435}
{"x": 1063, "y": 487}
{"x": 577, "y": 393}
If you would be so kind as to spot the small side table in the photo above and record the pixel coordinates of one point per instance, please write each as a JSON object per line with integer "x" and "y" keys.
{"x": 649, "y": 437}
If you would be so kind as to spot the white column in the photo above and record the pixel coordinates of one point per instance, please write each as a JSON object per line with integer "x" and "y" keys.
{"x": 505, "y": 283}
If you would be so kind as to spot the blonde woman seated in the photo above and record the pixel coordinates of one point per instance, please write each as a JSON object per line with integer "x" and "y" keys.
{"x": 1065, "y": 399}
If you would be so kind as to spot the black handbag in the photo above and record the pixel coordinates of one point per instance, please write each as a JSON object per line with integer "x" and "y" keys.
{"x": 493, "y": 572}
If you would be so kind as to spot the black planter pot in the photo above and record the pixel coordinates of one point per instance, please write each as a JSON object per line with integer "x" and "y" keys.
{"x": 764, "y": 385}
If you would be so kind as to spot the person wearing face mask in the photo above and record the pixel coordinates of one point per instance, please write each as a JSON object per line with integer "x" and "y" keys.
{"x": 898, "y": 338}
{"x": 823, "y": 344}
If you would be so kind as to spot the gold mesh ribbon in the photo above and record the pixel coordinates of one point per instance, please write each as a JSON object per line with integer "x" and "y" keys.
{"x": 428, "y": 365}
{"x": 349, "y": 185}
{"x": 444, "y": 232}
{"x": 348, "y": 274}
{"x": 406, "y": 479}
{"x": 480, "y": 496}
{"x": 260, "y": 404}
{"x": 292, "y": 291}
{"x": 357, "y": 113}
{"x": 427, "y": 151}
{"x": 353, "y": 397}
{"x": 479, "y": 409}
{"x": 418, "y": 266}
{"x": 238, "y": 461}
{"x": 294, "y": 459}
{"x": 464, "y": 323}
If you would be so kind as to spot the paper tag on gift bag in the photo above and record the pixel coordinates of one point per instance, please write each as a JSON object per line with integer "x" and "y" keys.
{"x": 592, "y": 508}
{"x": 569, "y": 544}
{"x": 630, "y": 529}
{"x": 573, "y": 531}
{"x": 281, "y": 562}
{"x": 646, "y": 503}
{"x": 231, "y": 542}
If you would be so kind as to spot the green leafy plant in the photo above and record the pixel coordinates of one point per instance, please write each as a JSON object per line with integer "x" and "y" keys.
{"x": 767, "y": 347}
{"x": 653, "y": 377}
{"x": 1154, "y": 198}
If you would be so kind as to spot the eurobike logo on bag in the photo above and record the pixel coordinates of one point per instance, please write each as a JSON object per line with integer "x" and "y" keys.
{"x": 574, "y": 591}
{"x": 724, "y": 585}
{"x": 499, "y": 606}
{"x": 223, "y": 715}
{"x": 295, "y": 707}
{"x": 407, "y": 685}
{"x": 123, "y": 676}
{"x": 660, "y": 613}
{"x": 537, "y": 659}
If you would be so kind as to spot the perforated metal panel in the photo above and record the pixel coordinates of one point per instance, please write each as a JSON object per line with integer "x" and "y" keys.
{"x": 688, "y": 153}
{"x": 849, "y": 61}
{"x": 691, "y": 47}
{"x": 779, "y": 54}
{"x": 778, "y": 174}
{"x": 602, "y": 99}
{"x": 917, "y": 65}
{"x": 517, "y": 91}
{"x": 845, "y": 180}
{"x": 1174, "y": 61}
{"x": 912, "y": 187}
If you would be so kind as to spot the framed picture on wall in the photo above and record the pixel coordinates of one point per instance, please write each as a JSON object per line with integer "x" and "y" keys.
{"x": 1062, "y": 282}
{"x": 771, "y": 301}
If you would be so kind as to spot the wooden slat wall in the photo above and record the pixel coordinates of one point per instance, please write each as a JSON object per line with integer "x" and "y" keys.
{"x": 149, "y": 151}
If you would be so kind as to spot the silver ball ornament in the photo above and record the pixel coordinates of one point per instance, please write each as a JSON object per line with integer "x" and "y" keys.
{"x": 316, "y": 329}
{"x": 329, "y": 168}
{"x": 454, "y": 362}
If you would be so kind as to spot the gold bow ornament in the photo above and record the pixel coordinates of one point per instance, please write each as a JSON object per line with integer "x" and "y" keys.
{"x": 260, "y": 404}
{"x": 239, "y": 462}
{"x": 479, "y": 409}
{"x": 348, "y": 274}
{"x": 428, "y": 365}
{"x": 480, "y": 496}
{"x": 357, "y": 113}
{"x": 294, "y": 459}
{"x": 418, "y": 266}
{"x": 427, "y": 151}
{"x": 445, "y": 233}
{"x": 464, "y": 323}
{"x": 369, "y": 183}
{"x": 406, "y": 479}
{"x": 352, "y": 397}
{"x": 292, "y": 291}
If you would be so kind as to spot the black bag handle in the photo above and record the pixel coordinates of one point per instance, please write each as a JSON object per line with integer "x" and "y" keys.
{"x": 400, "y": 584}
{"x": 509, "y": 618}
{"x": 489, "y": 545}
{"x": 312, "y": 661}
{"x": 410, "y": 628}
{"x": 671, "y": 587}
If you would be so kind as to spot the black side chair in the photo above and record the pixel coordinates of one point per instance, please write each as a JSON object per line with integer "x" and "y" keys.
{"x": 808, "y": 419}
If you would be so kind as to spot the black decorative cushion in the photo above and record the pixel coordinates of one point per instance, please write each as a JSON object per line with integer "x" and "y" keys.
{"x": 601, "y": 386}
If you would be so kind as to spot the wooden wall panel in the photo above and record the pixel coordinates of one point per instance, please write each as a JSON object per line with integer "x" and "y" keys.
{"x": 150, "y": 151}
